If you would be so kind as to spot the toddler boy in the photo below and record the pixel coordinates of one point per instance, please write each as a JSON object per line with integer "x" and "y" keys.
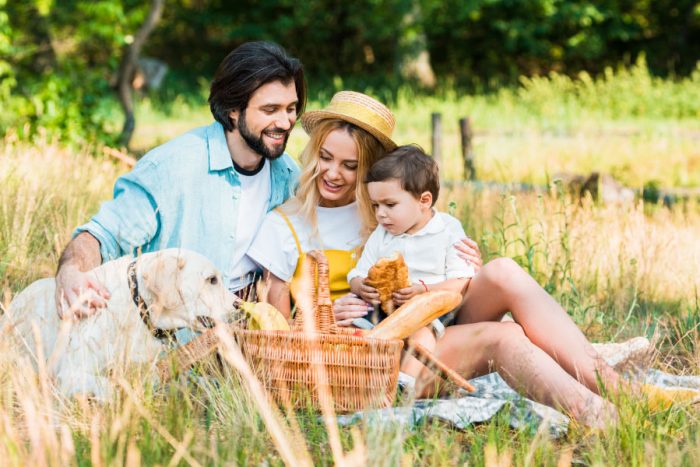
{"x": 404, "y": 186}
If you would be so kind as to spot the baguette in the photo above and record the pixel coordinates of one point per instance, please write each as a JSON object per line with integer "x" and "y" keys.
{"x": 416, "y": 313}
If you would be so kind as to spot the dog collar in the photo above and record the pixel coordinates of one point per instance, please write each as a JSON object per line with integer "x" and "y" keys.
{"x": 160, "y": 334}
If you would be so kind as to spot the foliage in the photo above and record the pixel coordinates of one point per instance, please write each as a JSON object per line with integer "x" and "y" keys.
{"x": 479, "y": 41}
{"x": 62, "y": 58}
{"x": 506, "y": 39}
{"x": 58, "y": 59}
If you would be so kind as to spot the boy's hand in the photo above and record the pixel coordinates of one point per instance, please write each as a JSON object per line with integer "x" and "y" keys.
{"x": 368, "y": 293}
{"x": 401, "y": 296}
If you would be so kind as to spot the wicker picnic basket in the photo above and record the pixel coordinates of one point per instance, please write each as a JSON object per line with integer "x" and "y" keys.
{"x": 360, "y": 372}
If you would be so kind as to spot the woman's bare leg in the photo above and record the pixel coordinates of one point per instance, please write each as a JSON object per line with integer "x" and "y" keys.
{"x": 477, "y": 349}
{"x": 503, "y": 286}
{"x": 409, "y": 364}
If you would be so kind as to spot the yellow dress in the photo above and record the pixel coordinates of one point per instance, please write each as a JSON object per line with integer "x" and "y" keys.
{"x": 340, "y": 262}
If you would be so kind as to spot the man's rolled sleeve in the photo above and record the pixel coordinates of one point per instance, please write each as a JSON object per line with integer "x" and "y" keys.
{"x": 109, "y": 248}
{"x": 128, "y": 221}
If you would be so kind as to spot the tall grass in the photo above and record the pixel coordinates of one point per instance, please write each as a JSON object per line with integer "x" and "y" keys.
{"x": 45, "y": 192}
{"x": 620, "y": 271}
{"x": 627, "y": 122}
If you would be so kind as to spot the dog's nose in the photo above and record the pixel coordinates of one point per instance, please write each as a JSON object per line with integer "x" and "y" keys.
{"x": 206, "y": 321}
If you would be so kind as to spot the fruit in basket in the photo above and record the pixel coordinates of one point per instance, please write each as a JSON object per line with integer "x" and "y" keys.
{"x": 387, "y": 276}
{"x": 416, "y": 313}
{"x": 264, "y": 317}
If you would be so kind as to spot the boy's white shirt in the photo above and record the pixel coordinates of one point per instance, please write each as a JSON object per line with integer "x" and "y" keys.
{"x": 429, "y": 253}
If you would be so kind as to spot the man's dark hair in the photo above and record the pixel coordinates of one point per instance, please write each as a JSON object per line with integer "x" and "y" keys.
{"x": 244, "y": 70}
{"x": 412, "y": 167}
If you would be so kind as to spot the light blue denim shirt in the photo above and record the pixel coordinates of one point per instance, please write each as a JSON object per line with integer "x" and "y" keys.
{"x": 183, "y": 194}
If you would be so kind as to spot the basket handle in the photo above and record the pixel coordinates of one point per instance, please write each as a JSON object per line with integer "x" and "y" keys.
{"x": 316, "y": 273}
{"x": 427, "y": 358}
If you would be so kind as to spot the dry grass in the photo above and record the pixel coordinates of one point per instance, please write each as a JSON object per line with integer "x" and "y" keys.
{"x": 620, "y": 271}
{"x": 45, "y": 192}
{"x": 606, "y": 249}
{"x": 634, "y": 153}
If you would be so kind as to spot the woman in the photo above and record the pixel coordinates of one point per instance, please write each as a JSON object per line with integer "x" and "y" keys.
{"x": 542, "y": 353}
{"x": 331, "y": 211}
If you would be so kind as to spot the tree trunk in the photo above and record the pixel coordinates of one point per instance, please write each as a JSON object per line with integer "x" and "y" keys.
{"x": 127, "y": 67}
{"x": 413, "y": 58}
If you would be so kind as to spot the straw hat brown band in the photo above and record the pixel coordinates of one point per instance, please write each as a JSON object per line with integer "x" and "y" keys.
{"x": 358, "y": 109}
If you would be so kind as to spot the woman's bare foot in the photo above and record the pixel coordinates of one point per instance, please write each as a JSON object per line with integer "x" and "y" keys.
{"x": 598, "y": 414}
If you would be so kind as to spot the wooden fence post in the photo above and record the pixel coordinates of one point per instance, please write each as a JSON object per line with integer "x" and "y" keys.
{"x": 467, "y": 134}
{"x": 436, "y": 124}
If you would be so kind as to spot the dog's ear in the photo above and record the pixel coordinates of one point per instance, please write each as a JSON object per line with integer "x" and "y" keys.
{"x": 160, "y": 276}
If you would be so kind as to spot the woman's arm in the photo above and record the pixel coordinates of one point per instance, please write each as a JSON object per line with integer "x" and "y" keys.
{"x": 278, "y": 294}
{"x": 349, "y": 307}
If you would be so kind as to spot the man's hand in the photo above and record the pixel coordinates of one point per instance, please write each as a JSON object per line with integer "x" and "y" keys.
{"x": 401, "y": 296}
{"x": 78, "y": 294}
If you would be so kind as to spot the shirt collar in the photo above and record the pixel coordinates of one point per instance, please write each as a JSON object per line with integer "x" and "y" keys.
{"x": 219, "y": 155}
{"x": 435, "y": 224}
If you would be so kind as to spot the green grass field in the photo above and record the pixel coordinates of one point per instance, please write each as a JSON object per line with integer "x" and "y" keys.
{"x": 638, "y": 128}
{"x": 620, "y": 271}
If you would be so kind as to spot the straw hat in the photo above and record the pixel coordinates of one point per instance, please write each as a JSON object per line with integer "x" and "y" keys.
{"x": 358, "y": 109}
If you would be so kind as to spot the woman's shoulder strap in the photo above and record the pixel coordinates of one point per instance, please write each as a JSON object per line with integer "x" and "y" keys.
{"x": 291, "y": 228}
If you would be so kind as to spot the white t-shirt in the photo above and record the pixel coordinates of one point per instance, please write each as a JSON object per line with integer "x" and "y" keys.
{"x": 274, "y": 247}
{"x": 429, "y": 253}
{"x": 252, "y": 207}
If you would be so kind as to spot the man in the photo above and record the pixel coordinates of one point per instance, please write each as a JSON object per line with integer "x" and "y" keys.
{"x": 207, "y": 190}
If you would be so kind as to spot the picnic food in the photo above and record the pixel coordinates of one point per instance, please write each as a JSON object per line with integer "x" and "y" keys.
{"x": 387, "y": 276}
{"x": 264, "y": 317}
{"x": 416, "y": 313}
{"x": 361, "y": 371}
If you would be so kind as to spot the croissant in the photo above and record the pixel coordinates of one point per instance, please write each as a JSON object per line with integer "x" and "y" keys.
{"x": 387, "y": 276}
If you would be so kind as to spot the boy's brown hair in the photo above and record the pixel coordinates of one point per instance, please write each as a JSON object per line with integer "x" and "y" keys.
{"x": 412, "y": 167}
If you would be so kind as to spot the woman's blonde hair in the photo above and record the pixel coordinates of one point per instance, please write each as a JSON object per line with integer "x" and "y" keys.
{"x": 307, "y": 196}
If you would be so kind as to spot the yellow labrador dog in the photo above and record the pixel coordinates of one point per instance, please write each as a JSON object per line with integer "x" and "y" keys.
{"x": 150, "y": 296}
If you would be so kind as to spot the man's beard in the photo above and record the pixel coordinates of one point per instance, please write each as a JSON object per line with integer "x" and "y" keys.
{"x": 256, "y": 142}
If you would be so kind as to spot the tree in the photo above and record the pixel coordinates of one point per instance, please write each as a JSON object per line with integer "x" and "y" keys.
{"x": 413, "y": 56}
{"x": 127, "y": 69}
